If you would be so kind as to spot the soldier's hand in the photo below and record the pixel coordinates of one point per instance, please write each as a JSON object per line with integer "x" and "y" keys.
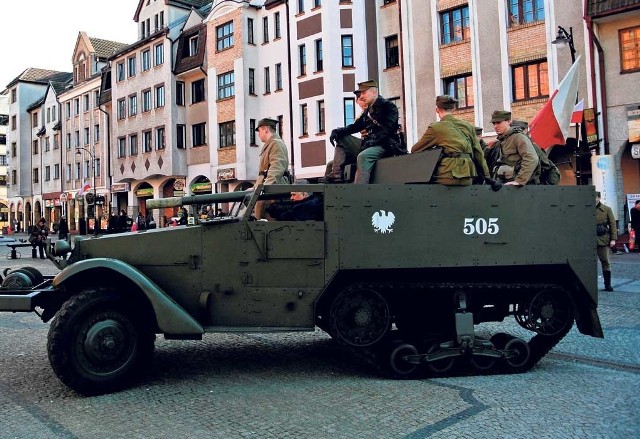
{"x": 513, "y": 183}
{"x": 333, "y": 138}
{"x": 495, "y": 184}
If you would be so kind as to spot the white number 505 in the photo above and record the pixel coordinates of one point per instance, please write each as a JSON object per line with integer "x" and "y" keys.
{"x": 480, "y": 226}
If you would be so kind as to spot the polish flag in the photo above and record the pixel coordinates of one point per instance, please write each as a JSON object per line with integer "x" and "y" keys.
{"x": 85, "y": 188}
{"x": 551, "y": 125}
{"x": 576, "y": 117}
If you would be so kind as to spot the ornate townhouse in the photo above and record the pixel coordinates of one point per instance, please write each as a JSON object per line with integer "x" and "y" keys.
{"x": 4, "y": 123}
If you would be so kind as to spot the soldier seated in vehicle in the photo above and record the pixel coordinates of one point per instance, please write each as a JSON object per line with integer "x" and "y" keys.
{"x": 303, "y": 206}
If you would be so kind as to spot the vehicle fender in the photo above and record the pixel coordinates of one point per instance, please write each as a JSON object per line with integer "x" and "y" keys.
{"x": 171, "y": 317}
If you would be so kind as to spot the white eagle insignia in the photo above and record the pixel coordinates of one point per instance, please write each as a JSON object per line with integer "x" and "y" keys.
{"x": 382, "y": 221}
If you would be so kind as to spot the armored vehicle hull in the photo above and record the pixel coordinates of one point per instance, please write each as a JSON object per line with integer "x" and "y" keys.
{"x": 400, "y": 274}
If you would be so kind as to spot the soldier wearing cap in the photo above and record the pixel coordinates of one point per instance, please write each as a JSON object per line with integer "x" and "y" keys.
{"x": 462, "y": 157}
{"x": 518, "y": 163}
{"x": 606, "y": 235}
{"x": 274, "y": 158}
{"x": 483, "y": 144}
{"x": 380, "y": 123}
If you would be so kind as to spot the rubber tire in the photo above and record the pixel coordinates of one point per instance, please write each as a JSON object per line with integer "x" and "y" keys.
{"x": 101, "y": 312}
{"x": 36, "y": 275}
{"x": 400, "y": 368}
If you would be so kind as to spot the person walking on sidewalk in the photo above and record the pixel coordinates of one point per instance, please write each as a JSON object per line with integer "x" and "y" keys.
{"x": 607, "y": 234}
{"x": 635, "y": 223}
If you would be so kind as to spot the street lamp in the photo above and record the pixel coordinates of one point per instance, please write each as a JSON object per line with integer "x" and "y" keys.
{"x": 563, "y": 39}
{"x": 93, "y": 185}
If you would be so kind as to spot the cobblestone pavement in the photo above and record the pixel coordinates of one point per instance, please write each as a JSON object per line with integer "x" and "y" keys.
{"x": 305, "y": 386}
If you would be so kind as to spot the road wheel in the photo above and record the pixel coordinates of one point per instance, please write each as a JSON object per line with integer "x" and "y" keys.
{"x": 400, "y": 367}
{"x": 98, "y": 342}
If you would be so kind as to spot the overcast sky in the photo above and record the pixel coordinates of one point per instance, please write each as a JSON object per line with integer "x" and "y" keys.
{"x": 43, "y": 33}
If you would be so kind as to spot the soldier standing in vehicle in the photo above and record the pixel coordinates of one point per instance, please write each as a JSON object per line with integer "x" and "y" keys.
{"x": 462, "y": 157}
{"x": 518, "y": 163}
{"x": 607, "y": 234}
{"x": 380, "y": 121}
{"x": 274, "y": 158}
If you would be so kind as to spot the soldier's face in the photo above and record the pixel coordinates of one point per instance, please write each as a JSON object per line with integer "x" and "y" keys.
{"x": 502, "y": 126}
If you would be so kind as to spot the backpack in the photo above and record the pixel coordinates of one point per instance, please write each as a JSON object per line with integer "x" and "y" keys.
{"x": 549, "y": 172}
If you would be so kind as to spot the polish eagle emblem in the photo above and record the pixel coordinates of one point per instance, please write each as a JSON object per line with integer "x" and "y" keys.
{"x": 382, "y": 221}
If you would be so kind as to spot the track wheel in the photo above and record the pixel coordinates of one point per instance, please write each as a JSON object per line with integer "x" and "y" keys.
{"x": 550, "y": 312}
{"x": 397, "y": 360}
{"x": 520, "y": 352}
{"x": 441, "y": 366}
{"x": 359, "y": 316}
{"x": 500, "y": 339}
{"x": 482, "y": 363}
{"x": 99, "y": 342}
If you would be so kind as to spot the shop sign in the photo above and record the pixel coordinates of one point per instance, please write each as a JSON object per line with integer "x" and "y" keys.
{"x": 591, "y": 127}
{"x": 635, "y": 151}
{"x": 146, "y": 192}
{"x": 63, "y": 197}
{"x": 47, "y": 203}
{"x": 227, "y": 174}
{"x": 633, "y": 120}
{"x": 179, "y": 184}
{"x": 56, "y": 202}
{"x": 201, "y": 187}
{"x": 120, "y": 187}
{"x": 178, "y": 193}
{"x": 605, "y": 180}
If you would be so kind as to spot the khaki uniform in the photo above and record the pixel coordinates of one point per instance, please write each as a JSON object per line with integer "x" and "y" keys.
{"x": 604, "y": 216}
{"x": 518, "y": 153}
{"x": 274, "y": 159}
{"x": 462, "y": 156}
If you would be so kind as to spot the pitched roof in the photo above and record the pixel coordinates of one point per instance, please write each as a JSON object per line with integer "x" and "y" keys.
{"x": 608, "y": 7}
{"x": 106, "y": 48}
{"x": 41, "y": 76}
{"x": 36, "y": 104}
{"x": 59, "y": 87}
{"x": 195, "y": 3}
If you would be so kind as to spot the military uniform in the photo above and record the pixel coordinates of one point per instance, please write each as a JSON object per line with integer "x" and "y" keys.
{"x": 607, "y": 222}
{"x": 274, "y": 160}
{"x": 518, "y": 160}
{"x": 462, "y": 157}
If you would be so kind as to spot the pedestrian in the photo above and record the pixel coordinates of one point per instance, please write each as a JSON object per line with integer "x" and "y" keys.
{"x": 607, "y": 234}
{"x": 63, "y": 228}
{"x": 38, "y": 236}
{"x": 380, "y": 123}
{"x": 123, "y": 221}
{"x": 517, "y": 163}
{"x": 635, "y": 223}
{"x": 141, "y": 221}
{"x": 462, "y": 158}
{"x": 184, "y": 216}
{"x": 149, "y": 221}
{"x": 274, "y": 159}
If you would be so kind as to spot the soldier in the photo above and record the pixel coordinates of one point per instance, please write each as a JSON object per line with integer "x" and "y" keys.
{"x": 518, "y": 163}
{"x": 635, "y": 223}
{"x": 607, "y": 233}
{"x": 274, "y": 158}
{"x": 483, "y": 144}
{"x": 462, "y": 157}
{"x": 380, "y": 121}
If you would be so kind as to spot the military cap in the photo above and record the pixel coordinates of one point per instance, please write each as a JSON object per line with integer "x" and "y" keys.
{"x": 267, "y": 122}
{"x": 500, "y": 115}
{"x": 366, "y": 85}
{"x": 446, "y": 102}
{"x": 357, "y": 93}
{"x": 520, "y": 124}
{"x": 479, "y": 130}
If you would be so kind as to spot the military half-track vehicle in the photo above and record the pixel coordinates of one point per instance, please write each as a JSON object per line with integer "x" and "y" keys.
{"x": 399, "y": 273}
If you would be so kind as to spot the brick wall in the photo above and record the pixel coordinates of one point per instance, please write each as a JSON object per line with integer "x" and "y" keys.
{"x": 455, "y": 59}
{"x": 527, "y": 43}
{"x": 227, "y": 155}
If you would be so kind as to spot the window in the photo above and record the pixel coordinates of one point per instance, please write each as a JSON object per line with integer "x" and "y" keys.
{"x": 347, "y": 51}
{"x": 267, "y": 80}
{"x": 48, "y": 115}
{"x": 304, "y": 123}
{"x": 68, "y": 109}
{"x": 131, "y": 66}
{"x": 179, "y": 93}
{"x": 252, "y": 81}
{"x": 77, "y": 139}
{"x": 197, "y": 91}
{"x": 86, "y": 136}
{"x": 461, "y": 88}
{"x": 4, "y": 161}
{"x": 224, "y": 36}
{"x": 68, "y": 173}
{"x": 47, "y": 144}
{"x": 276, "y": 26}
{"x": 68, "y": 140}
{"x": 159, "y": 96}
{"x": 302, "y": 59}
{"x": 76, "y": 106}
{"x": 36, "y": 175}
{"x": 629, "y": 49}
{"x": 265, "y": 30}
{"x": 226, "y": 87}
{"x": 146, "y": 60}
{"x": 133, "y": 105}
{"x": 300, "y": 6}
{"x": 321, "y": 124}
{"x": 525, "y": 11}
{"x": 56, "y": 171}
{"x": 198, "y": 134}
{"x": 391, "y": 51}
{"x": 319, "y": 56}
{"x": 86, "y": 168}
{"x": 122, "y": 147}
{"x": 454, "y": 25}
{"x": 250, "y": 31}
{"x": 14, "y": 177}
{"x": 14, "y": 149}
{"x": 181, "y": 136}
{"x": 96, "y": 164}
{"x": 78, "y": 171}
{"x": 227, "y": 133}
{"x": 530, "y": 81}
{"x": 349, "y": 111}
{"x": 34, "y": 119}
{"x": 121, "y": 109}
{"x": 35, "y": 147}
{"x": 47, "y": 173}
{"x": 146, "y": 141}
{"x": 13, "y": 122}
{"x": 252, "y": 131}
{"x": 158, "y": 54}
{"x": 96, "y": 133}
{"x": 317, "y": 3}
{"x": 120, "y": 71}
{"x": 85, "y": 100}
{"x": 13, "y": 96}
{"x": 96, "y": 101}
{"x": 146, "y": 100}
{"x": 161, "y": 19}
{"x": 133, "y": 144}
{"x": 193, "y": 46}
{"x": 278, "y": 76}
{"x": 160, "y": 142}
{"x": 56, "y": 141}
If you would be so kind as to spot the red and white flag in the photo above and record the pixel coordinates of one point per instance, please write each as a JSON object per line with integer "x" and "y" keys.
{"x": 551, "y": 125}
{"x": 85, "y": 188}
{"x": 576, "y": 116}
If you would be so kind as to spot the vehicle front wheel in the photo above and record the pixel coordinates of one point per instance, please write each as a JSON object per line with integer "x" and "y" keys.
{"x": 98, "y": 343}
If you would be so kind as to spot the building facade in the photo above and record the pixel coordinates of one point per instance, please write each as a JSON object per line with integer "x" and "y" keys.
{"x": 4, "y": 123}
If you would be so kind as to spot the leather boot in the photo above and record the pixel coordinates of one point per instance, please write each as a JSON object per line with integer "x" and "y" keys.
{"x": 339, "y": 159}
{"x": 607, "y": 280}
{"x": 362, "y": 177}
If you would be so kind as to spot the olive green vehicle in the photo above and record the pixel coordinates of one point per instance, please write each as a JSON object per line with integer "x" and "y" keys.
{"x": 399, "y": 272}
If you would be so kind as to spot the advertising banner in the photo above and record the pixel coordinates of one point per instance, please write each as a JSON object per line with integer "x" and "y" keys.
{"x": 633, "y": 119}
{"x": 603, "y": 170}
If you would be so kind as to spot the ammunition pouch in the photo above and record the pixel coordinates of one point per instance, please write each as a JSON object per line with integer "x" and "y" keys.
{"x": 601, "y": 229}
